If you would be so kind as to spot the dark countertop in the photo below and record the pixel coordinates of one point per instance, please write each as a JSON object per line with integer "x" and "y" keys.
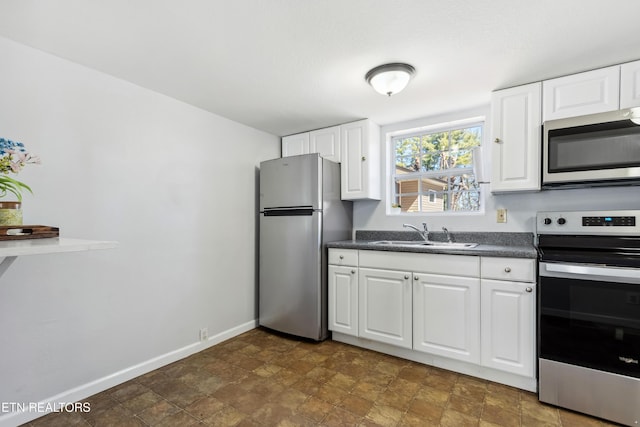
{"x": 512, "y": 245}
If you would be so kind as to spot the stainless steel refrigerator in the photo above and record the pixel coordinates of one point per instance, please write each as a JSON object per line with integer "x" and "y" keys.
{"x": 300, "y": 210}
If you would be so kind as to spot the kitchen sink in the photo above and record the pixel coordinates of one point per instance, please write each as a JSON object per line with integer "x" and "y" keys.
{"x": 400, "y": 242}
{"x": 449, "y": 245}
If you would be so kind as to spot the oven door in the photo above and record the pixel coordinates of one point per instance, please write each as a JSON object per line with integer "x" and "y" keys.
{"x": 589, "y": 315}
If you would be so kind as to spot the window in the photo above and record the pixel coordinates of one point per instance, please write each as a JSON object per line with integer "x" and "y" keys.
{"x": 433, "y": 170}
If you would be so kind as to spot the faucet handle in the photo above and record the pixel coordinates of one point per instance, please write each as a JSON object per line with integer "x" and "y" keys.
{"x": 447, "y": 234}
{"x": 424, "y": 226}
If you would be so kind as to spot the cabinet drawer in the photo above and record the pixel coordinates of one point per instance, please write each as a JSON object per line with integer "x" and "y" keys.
{"x": 343, "y": 257}
{"x": 516, "y": 269}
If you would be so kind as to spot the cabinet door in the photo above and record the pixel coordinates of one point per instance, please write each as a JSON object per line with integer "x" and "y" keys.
{"x": 592, "y": 92}
{"x": 508, "y": 326}
{"x": 630, "y": 85}
{"x": 385, "y": 306}
{"x": 515, "y": 129}
{"x": 343, "y": 299}
{"x": 294, "y": 145}
{"x": 446, "y": 316}
{"x": 326, "y": 142}
{"x": 360, "y": 171}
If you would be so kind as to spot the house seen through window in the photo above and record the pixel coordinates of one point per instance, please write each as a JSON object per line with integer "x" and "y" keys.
{"x": 434, "y": 170}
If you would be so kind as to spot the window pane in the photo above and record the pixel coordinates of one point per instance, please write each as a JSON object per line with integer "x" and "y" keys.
{"x": 432, "y": 161}
{"x": 433, "y": 201}
{"x": 464, "y": 182}
{"x": 407, "y": 152}
{"x": 435, "y": 141}
{"x": 463, "y": 159}
{"x": 407, "y": 195}
{"x": 465, "y": 201}
{"x": 439, "y": 183}
{"x": 406, "y": 164}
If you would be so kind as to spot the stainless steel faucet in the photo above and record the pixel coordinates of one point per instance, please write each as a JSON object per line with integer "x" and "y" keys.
{"x": 447, "y": 235}
{"x": 424, "y": 232}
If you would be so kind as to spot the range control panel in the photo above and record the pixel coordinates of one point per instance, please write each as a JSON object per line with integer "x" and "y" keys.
{"x": 608, "y": 221}
{"x": 589, "y": 222}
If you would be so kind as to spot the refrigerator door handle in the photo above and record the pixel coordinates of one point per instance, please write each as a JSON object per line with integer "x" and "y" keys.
{"x": 289, "y": 212}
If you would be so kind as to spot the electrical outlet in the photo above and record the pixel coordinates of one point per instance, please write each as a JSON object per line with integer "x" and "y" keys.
{"x": 501, "y": 215}
{"x": 204, "y": 334}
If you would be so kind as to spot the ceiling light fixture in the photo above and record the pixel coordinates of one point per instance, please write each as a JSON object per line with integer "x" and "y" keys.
{"x": 389, "y": 79}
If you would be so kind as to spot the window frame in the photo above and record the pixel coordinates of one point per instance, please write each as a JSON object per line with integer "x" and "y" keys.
{"x": 429, "y": 129}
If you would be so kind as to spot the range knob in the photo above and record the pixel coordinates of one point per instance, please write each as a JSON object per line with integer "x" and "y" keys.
{"x": 547, "y": 221}
{"x": 562, "y": 221}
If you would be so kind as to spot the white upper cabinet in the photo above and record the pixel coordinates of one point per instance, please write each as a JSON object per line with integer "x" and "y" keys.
{"x": 326, "y": 142}
{"x": 294, "y": 145}
{"x": 515, "y": 130}
{"x": 360, "y": 171}
{"x": 591, "y": 92}
{"x": 630, "y": 85}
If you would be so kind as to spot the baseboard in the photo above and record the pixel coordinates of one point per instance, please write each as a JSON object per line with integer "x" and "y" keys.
{"x": 28, "y": 412}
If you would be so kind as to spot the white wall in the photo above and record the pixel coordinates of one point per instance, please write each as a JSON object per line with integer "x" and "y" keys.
{"x": 521, "y": 207}
{"x": 174, "y": 185}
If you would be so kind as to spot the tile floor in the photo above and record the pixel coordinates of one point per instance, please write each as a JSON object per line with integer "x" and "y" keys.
{"x": 264, "y": 379}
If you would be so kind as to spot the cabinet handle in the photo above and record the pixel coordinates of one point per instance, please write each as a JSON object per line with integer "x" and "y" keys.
{"x": 529, "y": 289}
{"x": 507, "y": 270}
{"x": 497, "y": 140}
{"x": 353, "y": 272}
{"x": 406, "y": 276}
{"x": 364, "y": 158}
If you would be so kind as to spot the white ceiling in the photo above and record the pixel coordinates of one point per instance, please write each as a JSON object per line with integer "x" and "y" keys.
{"x": 286, "y": 66}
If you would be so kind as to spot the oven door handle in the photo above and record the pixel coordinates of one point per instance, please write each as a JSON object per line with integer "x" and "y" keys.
{"x": 584, "y": 270}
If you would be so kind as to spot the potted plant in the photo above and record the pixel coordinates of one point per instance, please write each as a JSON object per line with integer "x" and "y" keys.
{"x": 13, "y": 158}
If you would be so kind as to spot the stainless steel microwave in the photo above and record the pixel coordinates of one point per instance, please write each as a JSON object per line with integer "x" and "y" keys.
{"x": 593, "y": 150}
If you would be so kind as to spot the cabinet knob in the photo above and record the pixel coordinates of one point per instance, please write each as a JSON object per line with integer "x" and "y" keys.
{"x": 364, "y": 158}
{"x": 341, "y": 256}
{"x": 415, "y": 277}
{"x": 353, "y": 272}
{"x": 507, "y": 269}
{"x": 497, "y": 140}
{"x": 406, "y": 276}
{"x": 529, "y": 289}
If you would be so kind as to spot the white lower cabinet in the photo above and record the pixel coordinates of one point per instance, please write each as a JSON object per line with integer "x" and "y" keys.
{"x": 343, "y": 299}
{"x": 385, "y": 306}
{"x": 446, "y": 316}
{"x": 508, "y": 326}
{"x": 343, "y": 291}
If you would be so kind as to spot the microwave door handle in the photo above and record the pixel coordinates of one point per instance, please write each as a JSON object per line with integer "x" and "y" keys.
{"x": 582, "y": 270}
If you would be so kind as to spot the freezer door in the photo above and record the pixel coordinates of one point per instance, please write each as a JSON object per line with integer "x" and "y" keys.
{"x": 291, "y": 181}
{"x": 291, "y": 298}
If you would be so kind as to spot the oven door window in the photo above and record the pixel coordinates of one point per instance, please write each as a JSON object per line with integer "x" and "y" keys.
{"x": 590, "y": 323}
{"x": 610, "y": 145}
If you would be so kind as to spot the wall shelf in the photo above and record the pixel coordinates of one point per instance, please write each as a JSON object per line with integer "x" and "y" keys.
{"x": 11, "y": 249}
